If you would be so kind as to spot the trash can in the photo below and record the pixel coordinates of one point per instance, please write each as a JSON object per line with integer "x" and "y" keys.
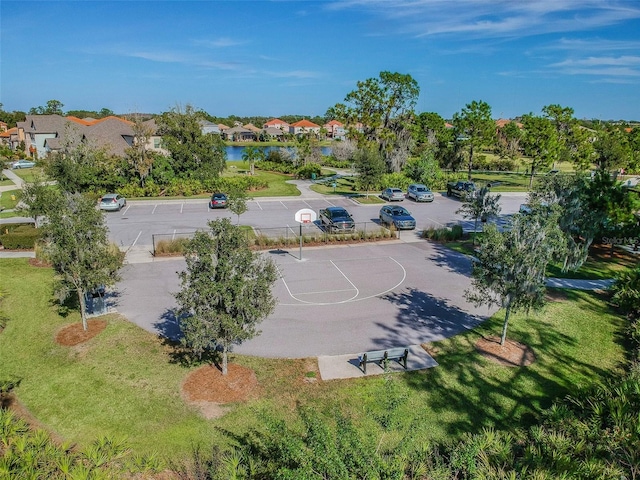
{"x": 313, "y": 176}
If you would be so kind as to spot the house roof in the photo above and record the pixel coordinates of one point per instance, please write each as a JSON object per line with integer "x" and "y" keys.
{"x": 8, "y": 133}
{"x": 305, "y": 124}
{"x": 334, "y": 123}
{"x": 253, "y": 128}
{"x": 222, "y": 127}
{"x": 275, "y": 121}
{"x": 501, "y": 122}
{"x": 273, "y": 131}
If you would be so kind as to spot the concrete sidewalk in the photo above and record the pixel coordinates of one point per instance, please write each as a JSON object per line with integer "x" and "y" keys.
{"x": 346, "y": 366}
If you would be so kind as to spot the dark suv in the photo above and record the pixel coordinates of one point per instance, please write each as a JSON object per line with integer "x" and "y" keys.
{"x": 218, "y": 200}
{"x": 337, "y": 220}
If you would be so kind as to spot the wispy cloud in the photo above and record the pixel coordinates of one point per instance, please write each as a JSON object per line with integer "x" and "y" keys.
{"x": 625, "y": 66}
{"x": 300, "y": 74}
{"x": 219, "y": 43}
{"x": 493, "y": 19}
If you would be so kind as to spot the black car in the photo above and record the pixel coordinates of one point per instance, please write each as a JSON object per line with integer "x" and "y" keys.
{"x": 218, "y": 200}
{"x": 337, "y": 220}
{"x": 399, "y": 217}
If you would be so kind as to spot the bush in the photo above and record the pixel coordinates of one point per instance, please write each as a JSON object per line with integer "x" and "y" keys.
{"x": 170, "y": 247}
{"x": 445, "y": 234}
{"x": 19, "y": 237}
{"x": 307, "y": 171}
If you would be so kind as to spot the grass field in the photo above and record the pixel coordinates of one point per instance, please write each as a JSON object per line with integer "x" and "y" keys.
{"x": 124, "y": 383}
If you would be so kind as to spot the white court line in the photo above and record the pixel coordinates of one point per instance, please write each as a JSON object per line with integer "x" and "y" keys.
{"x": 154, "y": 209}
{"x": 326, "y": 291}
{"x": 350, "y": 300}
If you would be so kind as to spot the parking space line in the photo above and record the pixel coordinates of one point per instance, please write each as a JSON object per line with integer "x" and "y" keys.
{"x": 259, "y": 206}
{"x": 126, "y": 210}
{"x": 284, "y": 205}
{"x": 436, "y": 222}
{"x": 307, "y": 204}
{"x": 292, "y": 230}
{"x": 173, "y": 237}
{"x": 136, "y": 240}
{"x": 181, "y": 207}
{"x": 154, "y": 209}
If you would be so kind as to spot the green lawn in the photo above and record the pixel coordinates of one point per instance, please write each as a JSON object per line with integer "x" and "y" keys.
{"x": 9, "y": 199}
{"x": 124, "y": 382}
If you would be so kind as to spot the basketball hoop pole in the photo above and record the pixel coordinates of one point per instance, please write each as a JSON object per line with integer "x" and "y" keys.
{"x": 300, "y": 241}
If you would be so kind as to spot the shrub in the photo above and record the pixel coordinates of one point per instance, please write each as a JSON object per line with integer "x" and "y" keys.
{"x": 446, "y": 234}
{"x": 308, "y": 170}
{"x": 170, "y": 247}
{"x": 21, "y": 237}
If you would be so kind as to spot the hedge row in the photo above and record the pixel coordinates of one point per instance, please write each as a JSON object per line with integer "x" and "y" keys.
{"x": 19, "y": 237}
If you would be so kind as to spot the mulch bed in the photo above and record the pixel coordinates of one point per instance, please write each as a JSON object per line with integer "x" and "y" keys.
{"x": 209, "y": 385}
{"x": 511, "y": 354}
{"x": 74, "y": 334}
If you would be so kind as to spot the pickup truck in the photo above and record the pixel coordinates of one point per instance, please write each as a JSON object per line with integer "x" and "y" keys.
{"x": 337, "y": 220}
{"x": 460, "y": 188}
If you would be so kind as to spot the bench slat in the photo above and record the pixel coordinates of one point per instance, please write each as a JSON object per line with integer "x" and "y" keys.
{"x": 400, "y": 354}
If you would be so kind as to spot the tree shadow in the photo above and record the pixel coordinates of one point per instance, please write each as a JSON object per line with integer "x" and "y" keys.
{"x": 450, "y": 260}
{"x": 168, "y": 325}
{"x": 425, "y": 316}
{"x": 473, "y": 393}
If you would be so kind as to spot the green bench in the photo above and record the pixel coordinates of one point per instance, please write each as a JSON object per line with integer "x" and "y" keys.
{"x": 381, "y": 357}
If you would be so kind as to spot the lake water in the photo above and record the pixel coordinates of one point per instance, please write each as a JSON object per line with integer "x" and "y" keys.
{"x": 234, "y": 153}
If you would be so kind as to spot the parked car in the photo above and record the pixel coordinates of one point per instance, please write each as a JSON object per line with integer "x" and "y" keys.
{"x": 337, "y": 220}
{"x": 460, "y": 188}
{"x": 218, "y": 200}
{"x": 23, "y": 164}
{"x": 112, "y": 202}
{"x": 420, "y": 193}
{"x": 392, "y": 195}
{"x": 398, "y": 217}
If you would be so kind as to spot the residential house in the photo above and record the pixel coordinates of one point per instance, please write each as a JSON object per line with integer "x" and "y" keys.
{"x": 277, "y": 123}
{"x": 240, "y": 134}
{"x": 209, "y": 127}
{"x": 335, "y": 129}
{"x": 304, "y": 126}
{"x": 44, "y": 134}
{"x": 3, "y": 127}
{"x": 5, "y": 136}
{"x": 274, "y": 133}
{"x": 253, "y": 128}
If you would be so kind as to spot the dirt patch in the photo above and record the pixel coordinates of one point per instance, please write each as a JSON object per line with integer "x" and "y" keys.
{"x": 511, "y": 354}
{"x": 39, "y": 263}
{"x": 74, "y": 334}
{"x": 555, "y": 295}
{"x": 209, "y": 390}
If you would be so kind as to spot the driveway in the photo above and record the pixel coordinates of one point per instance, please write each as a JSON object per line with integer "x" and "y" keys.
{"x": 335, "y": 301}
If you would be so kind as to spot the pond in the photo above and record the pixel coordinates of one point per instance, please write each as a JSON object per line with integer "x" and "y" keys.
{"x": 234, "y": 153}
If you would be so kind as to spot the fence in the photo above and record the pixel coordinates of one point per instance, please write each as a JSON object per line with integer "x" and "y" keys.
{"x": 312, "y": 233}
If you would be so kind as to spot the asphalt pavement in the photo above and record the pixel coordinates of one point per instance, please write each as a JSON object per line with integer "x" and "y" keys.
{"x": 335, "y": 303}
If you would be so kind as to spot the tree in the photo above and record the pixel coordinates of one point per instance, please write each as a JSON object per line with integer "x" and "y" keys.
{"x": 380, "y": 112}
{"x": 226, "y": 290}
{"x": 370, "y": 168}
{"x": 508, "y": 141}
{"x": 78, "y": 248}
{"x": 138, "y": 155}
{"x": 612, "y": 149}
{"x": 626, "y": 292}
{"x": 54, "y": 107}
{"x": 237, "y": 202}
{"x": 193, "y": 154}
{"x": 510, "y": 265}
{"x": 252, "y": 155}
{"x": 474, "y": 128}
{"x": 480, "y": 205}
{"x": 37, "y": 199}
{"x": 540, "y": 143}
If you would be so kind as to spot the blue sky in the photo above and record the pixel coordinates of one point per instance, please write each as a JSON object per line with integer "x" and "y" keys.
{"x": 273, "y": 58}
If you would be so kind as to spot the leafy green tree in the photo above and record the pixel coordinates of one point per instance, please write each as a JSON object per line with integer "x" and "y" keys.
{"x": 252, "y": 155}
{"x": 79, "y": 249}
{"x": 370, "y": 167}
{"x": 193, "y": 154}
{"x": 138, "y": 156}
{"x": 540, "y": 143}
{"x": 612, "y": 149}
{"x": 82, "y": 167}
{"x": 383, "y": 108}
{"x": 226, "y": 290}
{"x": 474, "y": 128}
{"x": 480, "y": 205}
{"x": 426, "y": 170}
{"x": 508, "y": 140}
{"x": 237, "y": 202}
{"x": 53, "y": 107}
{"x": 431, "y": 133}
{"x": 509, "y": 270}
{"x": 37, "y": 198}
